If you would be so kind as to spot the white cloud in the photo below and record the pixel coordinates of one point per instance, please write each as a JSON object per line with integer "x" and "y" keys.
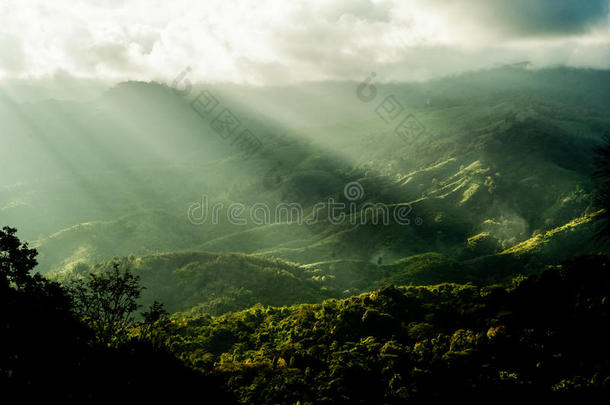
{"x": 276, "y": 41}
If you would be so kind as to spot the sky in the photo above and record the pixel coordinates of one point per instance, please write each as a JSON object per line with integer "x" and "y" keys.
{"x": 276, "y": 42}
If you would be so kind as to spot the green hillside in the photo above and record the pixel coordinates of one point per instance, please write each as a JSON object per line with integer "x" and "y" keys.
{"x": 509, "y": 157}
{"x": 217, "y": 283}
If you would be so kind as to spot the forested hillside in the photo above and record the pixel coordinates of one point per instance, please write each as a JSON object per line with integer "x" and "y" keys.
{"x": 536, "y": 338}
{"x": 506, "y": 155}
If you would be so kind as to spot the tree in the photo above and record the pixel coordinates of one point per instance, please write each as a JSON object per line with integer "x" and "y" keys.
{"x": 155, "y": 323}
{"x": 16, "y": 260}
{"x": 107, "y": 300}
{"x": 155, "y": 313}
{"x": 48, "y": 353}
{"x": 43, "y": 340}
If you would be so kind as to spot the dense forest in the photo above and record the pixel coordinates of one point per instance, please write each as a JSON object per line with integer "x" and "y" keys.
{"x": 538, "y": 337}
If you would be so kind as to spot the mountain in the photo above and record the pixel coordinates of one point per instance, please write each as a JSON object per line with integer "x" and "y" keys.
{"x": 313, "y": 245}
{"x": 497, "y": 157}
{"x": 217, "y": 283}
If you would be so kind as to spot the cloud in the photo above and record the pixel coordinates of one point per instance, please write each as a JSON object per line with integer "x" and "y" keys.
{"x": 274, "y": 41}
{"x": 366, "y": 10}
{"x": 524, "y": 18}
{"x": 13, "y": 57}
{"x": 546, "y": 17}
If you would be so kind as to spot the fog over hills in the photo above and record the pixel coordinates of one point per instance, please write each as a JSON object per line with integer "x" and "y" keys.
{"x": 497, "y": 157}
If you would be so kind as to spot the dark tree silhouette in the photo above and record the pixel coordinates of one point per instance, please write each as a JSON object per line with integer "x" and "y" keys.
{"x": 106, "y": 301}
{"x": 155, "y": 313}
{"x": 48, "y": 353}
{"x": 16, "y": 260}
{"x": 155, "y": 324}
{"x": 43, "y": 340}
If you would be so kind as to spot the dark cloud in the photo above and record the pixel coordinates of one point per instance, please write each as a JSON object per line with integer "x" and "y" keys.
{"x": 524, "y": 18}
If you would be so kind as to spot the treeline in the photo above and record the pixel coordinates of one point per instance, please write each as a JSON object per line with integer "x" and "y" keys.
{"x": 542, "y": 336}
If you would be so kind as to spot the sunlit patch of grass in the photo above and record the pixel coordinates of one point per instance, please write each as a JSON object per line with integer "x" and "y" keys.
{"x": 543, "y": 238}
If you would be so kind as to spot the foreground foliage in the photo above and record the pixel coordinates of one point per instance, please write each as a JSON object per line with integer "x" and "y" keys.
{"x": 47, "y": 352}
